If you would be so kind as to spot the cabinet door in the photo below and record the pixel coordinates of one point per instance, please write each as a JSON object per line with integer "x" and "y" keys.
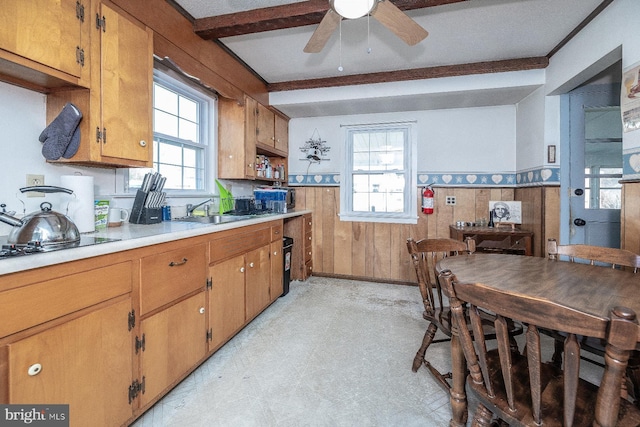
{"x": 226, "y": 300}
{"x": 277, "y": 269}
{"x": 45, "y": 31}
{"x": 257, "y": 280}
{"x": 236, "y": 139}
{"x": 175, "y": 341}
{"x": 265, "y": 123}
{"x": 251, "y": 129}
{"x": 85, "y": 363}
{"x": 281, "y": 134}
{"x": 127, "y": 76}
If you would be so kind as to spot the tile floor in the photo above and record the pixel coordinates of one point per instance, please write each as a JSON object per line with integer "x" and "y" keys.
{"x": 330, "y": 353}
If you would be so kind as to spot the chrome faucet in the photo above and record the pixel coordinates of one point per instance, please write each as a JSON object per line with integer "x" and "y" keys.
{"x": 191, "y": 208}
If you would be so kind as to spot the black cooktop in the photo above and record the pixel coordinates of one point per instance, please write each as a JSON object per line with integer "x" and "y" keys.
{"x": 9, "y": 251}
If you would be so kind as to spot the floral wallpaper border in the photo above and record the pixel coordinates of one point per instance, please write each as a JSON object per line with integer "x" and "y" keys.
{"x": 528, "y": 178}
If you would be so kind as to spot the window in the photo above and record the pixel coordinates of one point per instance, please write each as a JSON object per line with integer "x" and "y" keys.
{"x": 602, "y": 188}
{"x": 182, "y": 119}
{"x": 379, "y": 175}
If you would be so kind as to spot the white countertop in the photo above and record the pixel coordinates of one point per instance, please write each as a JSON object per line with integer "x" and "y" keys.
{"x": 131, "y": 236}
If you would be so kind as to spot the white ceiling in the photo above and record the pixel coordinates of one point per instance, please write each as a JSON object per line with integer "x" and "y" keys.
{"x": 459, "y": 33}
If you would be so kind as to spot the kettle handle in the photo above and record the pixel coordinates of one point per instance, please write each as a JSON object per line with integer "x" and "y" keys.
{"x": 46, "y": 189}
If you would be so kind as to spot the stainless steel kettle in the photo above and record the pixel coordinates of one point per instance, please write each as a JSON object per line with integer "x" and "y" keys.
{"x": 47, "y": 228}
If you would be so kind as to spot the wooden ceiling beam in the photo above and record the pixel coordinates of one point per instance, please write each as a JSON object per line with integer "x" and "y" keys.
{"x": 415, "y": 74}
{"x": 291, "y": 15}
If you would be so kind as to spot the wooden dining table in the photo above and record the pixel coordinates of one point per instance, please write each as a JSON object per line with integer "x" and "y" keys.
{"x": 588, "y": 288}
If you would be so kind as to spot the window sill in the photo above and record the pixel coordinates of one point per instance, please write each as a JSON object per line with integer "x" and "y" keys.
{"x": 393, "y": 219}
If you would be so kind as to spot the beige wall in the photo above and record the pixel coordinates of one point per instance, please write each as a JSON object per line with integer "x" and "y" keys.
{"x": 377, "y": 251}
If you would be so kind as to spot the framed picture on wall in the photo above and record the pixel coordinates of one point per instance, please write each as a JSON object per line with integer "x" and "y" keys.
{"x": 551, "y": 154}
{"x": 506, "y": 211}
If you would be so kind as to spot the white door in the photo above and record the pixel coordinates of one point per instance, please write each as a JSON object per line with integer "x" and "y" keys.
{"x": 595, "y": 166}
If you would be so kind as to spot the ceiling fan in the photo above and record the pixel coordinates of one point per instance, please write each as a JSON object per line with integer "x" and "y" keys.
{"x": 382, "y": 10}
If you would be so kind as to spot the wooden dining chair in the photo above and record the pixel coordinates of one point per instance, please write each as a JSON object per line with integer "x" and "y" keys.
{"x": 425, "y": 254}
{"x": 594, "y": 255}
{"x": 606, "y": 257}
{"x": 521, "y": 390}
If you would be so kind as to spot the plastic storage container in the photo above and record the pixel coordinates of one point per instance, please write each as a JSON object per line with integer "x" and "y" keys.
{"x": 274, "y": 200}
{"x": 287, "y": 245}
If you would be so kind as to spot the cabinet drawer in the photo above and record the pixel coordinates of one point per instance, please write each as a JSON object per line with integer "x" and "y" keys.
{"x": 276, "y": 232}
{"x": 308, "y": 224}
{"x": 240, "y": 243}
{"x": 170, "y": 275}
{"x": 307, "y": 253}
{"x": 32, "y": 305}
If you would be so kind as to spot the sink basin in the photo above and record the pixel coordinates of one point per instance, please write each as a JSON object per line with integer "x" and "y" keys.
{"x": 213, "y": 219}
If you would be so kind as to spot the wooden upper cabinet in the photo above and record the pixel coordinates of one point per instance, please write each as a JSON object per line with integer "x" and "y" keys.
{"x": 116, "y": 128}
{"x": 127, "y": 78}
{"x": 265, "y": 126}
{"x": 49, "y": 32}
{"x": 281, "y": 133}
{"x": 272, "y": 132}
{"x": 246, "y": 131}
{"x": 236, "y": 139}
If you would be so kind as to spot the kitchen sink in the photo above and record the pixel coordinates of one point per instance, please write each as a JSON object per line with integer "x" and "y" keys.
{"x": 214, "y": 219}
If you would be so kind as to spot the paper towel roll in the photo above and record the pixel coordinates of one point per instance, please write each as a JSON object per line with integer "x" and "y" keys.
{"x": 81, "y": 207}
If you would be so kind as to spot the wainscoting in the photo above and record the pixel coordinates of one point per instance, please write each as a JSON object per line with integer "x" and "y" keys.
{"x": 630, "y": 217}
{"x": 377, "y": 251}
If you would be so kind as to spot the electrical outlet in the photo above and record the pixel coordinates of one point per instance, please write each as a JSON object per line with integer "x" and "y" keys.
{"x": 451, "y": 200}
{"x": 34, "y": 180}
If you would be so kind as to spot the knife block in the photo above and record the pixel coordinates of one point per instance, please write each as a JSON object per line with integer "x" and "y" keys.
{"x": 141, "y": 214}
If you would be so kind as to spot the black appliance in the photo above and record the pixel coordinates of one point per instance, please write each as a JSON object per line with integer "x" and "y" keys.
{"x": 8, "y": 250}
{"x": 287, "y": 247}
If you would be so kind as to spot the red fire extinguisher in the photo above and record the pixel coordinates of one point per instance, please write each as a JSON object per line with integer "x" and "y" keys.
{"x": 427, "y": 200}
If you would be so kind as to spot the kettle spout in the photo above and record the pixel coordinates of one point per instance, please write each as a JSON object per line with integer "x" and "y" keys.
{"x": 8, "y": 219}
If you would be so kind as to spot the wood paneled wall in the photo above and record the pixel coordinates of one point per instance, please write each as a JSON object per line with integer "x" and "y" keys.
{"x": 377, "y": 251}
{"x": 630, "y": 217}
{"x": 540, "y": 214}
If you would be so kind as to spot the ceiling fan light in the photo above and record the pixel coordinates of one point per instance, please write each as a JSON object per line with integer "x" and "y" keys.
{"x": 352, "y": 9}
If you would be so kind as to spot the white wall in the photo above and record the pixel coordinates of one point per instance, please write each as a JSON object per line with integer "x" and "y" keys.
{"x": 22, "y": 119}
{"x": 530, "y": 150}
{"x": 611, "y": 35}
{"x": 456, "y": 140}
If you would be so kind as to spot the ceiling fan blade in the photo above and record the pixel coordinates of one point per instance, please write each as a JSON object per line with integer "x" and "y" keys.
{"x": 399, "y": 23}
{"x": 323, "y": 32}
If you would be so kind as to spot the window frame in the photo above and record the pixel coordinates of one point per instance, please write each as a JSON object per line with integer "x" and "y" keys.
{"x": 409, "y": 213}
{"x": 207, "y": 116}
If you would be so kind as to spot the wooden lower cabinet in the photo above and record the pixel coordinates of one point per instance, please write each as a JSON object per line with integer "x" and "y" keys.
{"x": 277, "y": 269}
{"x": 112, "y": 334}
{"x": 85, "y": 363}
{"x": 226, "y": 300}
{"x": 257, "y": 281}
{"x": 174, "y": 342}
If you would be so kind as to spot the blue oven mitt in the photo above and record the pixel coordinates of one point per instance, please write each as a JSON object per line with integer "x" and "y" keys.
{"x": 62, "y": 137}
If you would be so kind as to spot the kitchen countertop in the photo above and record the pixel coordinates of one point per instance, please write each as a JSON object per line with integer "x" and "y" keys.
{"x": 132, "y": 236}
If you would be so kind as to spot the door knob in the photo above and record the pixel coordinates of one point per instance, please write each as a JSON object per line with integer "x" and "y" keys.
{"x": 578, "y": 192}
{"x": 579, "y": 222}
